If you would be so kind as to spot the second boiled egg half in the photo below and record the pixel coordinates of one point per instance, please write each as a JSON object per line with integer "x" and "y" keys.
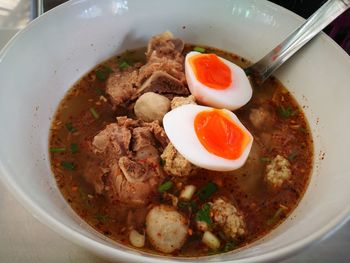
{"x": 217, "y": 82}
{"x": 210, "y": 138}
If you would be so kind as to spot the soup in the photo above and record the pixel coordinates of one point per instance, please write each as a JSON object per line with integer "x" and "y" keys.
{"x": 116, "y": 167}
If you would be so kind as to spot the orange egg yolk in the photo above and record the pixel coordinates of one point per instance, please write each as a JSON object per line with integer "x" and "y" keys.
{"x": 211, "y": 71}
{"x": 220, "y": 135}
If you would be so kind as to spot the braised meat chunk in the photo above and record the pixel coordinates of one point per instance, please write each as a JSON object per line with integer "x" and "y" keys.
{"x": 103, "y": 151}
{"x": 165, "y": 45}
{"x": 163, "y": 72}
{"x": 163, "y": 83}
{"x": 129, "y": 162}
{"x": 121, "y": 86}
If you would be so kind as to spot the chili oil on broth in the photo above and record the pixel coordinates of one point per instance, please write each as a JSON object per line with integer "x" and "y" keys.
{"x": 85, "y": 110}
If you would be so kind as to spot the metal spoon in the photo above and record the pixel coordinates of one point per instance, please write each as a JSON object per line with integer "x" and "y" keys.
{"x": 262, "y": 69}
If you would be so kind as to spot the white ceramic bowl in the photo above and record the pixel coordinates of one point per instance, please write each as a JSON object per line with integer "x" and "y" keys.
{"x": 46, "y": 58}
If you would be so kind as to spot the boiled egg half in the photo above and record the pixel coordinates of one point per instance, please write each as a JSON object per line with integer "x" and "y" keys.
{"x": 210, "y": 138}
{"x": 217, "y": 82}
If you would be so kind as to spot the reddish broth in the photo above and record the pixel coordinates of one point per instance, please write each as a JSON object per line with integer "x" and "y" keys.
{"x": 85, "y": 110}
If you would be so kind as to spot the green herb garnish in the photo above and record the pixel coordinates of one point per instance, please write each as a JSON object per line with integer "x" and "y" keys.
{"x": 123, "y": 65}
{"x": 58, "y": 150}
{"x": 165, "y": 186}
{"x": 275, "y": 217}
{"x": 103, "y": 73}
{"x": 68, "y": 165}
{"x": 199, "y": 49}
{"x": 302, "y": 129}
{"x": 107, "y": 68}
{"x": 98, "y": 91}
{"x": 213, "y": 252}
{"x": 162, "y": 162}
{"x": 187, "y": 204}
{"x": 94, "y": 113}
{"x": 286, "y": 112}
{"x": 82, "y": 193}
{"x": 222, "y": 236}
{"x": 74, "y": 148}
{"x": 70, "y": 127}
{"x": 101, "y": 217}
{"x": 203, "y": 214}
{"x": 292, "y": 156}
{"x": 229, "y": 246}
{"x": 206, "y": 191}
{"x": 265, "y": 159}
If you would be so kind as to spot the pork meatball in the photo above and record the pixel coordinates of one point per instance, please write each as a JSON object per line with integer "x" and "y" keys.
{"x": 228, "y": 218}
{"x": 175, "y": 164}
{"x": 278, "y": 171}
{"x": 179, "y": 101}
{"x": 166, "y": 228}
{"x": 151, "y": 106}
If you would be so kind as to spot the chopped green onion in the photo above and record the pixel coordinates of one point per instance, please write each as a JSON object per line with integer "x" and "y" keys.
{"x": 222, "y": 236}
{"x": 183, "y": 204}
{"x": 136, "y": 239}
{"x": 58, "y": 150}
{"x": 82, "y": 193}
{"x": 74, "y": 148}
{"x": 275, "y": 217}
{"x": 162, "y": 162}
{"x": 211, "y": 241}
{"x": 123, "y": 65}
{"x": 248, "y": 71}
{"x": 187, "y": 192}
{"x": 302, "y": 129}
{"x": 265, "y": 159}
{"x": 94, "y": 113}
{"x": 229, "y": 246}
{"x": 206, "y": 191}
{"x": 187, "y": 204}
{"x": 70, "y": 127}
{"x": 292, "y": 156}
{"x": 68, "y": 165}
{"x": 101, "y": 217}
{"x": 203, "y": 214}
{"x": 212, "y": 252}
{"x": 98, "y": 91}
{"x": 286, "y": 112}
{"x": 84, "y": 196}
{"x": 103, "y": 73}
{"x": 165, "y": 186}
{"x": 199, "y": 49}
{"x": 107, "y": 69}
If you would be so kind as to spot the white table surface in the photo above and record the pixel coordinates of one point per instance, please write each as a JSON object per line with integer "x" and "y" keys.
{"x": 24, "y": 239}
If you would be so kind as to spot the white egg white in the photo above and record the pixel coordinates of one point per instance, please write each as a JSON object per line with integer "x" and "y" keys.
{"x": 179, "y": 127}
{"x": 232, "y": 98}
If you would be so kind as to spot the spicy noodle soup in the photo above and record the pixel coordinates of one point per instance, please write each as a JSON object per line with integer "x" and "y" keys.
{"x": 118, "y": 170}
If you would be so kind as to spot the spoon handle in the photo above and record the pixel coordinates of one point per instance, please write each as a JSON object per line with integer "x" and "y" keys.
{"x": 262, "y": 69}
{"x": 37, "y": 8}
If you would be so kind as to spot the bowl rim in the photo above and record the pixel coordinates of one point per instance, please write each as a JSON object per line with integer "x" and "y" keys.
{"x": 92, "y": 245}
